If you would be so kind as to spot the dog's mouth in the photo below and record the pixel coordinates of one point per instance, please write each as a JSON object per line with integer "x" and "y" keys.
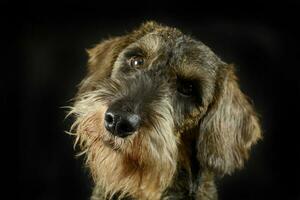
{"x": 113, "y": 142}
{"x": 117, "y": 143}
{"x": 112, "y": 145}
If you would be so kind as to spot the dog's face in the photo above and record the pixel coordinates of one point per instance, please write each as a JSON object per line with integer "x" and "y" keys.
{"x": 143, "y": 94}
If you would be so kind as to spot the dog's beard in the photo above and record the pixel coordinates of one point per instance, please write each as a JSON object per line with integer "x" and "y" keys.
{"x": 139, "y": 165}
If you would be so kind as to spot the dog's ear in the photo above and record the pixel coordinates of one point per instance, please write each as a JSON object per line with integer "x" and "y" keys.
{"x": 103, "y": 55}
{"x": 229, "y": 127}
{"x": 101, "y": 61}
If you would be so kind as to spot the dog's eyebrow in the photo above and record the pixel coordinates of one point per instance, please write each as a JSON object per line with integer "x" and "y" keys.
{"x": 134, "y": 51}
{"x": 190, "y": 72}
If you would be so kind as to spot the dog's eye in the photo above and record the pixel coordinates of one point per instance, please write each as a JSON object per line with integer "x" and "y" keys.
{"x": 136, "y": 61}
{"x": 185, "y": 88}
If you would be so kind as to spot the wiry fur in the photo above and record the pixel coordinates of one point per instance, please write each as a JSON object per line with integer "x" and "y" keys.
{"x": 142, "y": 164}
{"x": 183, "y": 142}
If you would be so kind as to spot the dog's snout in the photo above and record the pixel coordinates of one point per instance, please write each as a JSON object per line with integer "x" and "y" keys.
{"x": 121, "y": 123}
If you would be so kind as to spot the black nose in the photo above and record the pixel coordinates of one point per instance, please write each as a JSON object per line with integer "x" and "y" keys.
{"x": 121, "y": 123}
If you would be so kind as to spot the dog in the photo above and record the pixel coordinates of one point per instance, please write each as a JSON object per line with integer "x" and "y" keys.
{"x": 160, "y": 116}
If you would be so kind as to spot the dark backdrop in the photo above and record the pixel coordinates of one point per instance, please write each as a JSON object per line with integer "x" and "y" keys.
{"x": 261, "y": 39}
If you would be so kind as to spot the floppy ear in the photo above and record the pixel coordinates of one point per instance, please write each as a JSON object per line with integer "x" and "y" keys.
{"x": 103, "y": 55}
{"x": 229, "y": 127}
{"x": 101, "y": 61}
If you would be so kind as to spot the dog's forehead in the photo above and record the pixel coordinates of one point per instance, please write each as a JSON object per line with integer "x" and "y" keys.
{"x": 179, "y": 49}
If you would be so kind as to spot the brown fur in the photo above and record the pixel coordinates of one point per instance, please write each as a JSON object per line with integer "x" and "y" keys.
{"x": 183, "y": 142}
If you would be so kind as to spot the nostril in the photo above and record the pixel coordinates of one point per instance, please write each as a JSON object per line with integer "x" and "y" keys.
{"x": 110, "y": 121}
{"x": 109, "y": 118}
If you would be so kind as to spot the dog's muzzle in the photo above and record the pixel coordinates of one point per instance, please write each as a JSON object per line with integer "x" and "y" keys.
{"x": 121, "y": 123}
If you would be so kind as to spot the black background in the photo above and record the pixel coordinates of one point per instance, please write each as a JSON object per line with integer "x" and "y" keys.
{"x": 261, "y": 39}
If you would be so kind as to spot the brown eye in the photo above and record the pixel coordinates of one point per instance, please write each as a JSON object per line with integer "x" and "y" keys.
{"x": 136, "y": 61}
{"x": 185, "y": 88}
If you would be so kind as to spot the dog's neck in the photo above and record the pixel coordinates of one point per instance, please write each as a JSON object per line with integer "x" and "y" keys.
{"x": 191, "y": 181}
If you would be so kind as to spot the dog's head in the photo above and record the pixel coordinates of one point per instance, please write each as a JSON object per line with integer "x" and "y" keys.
{"x": 143, "y": 93}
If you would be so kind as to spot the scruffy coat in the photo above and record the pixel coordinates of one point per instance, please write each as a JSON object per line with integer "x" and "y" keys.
{"x": 196, "y": 122}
